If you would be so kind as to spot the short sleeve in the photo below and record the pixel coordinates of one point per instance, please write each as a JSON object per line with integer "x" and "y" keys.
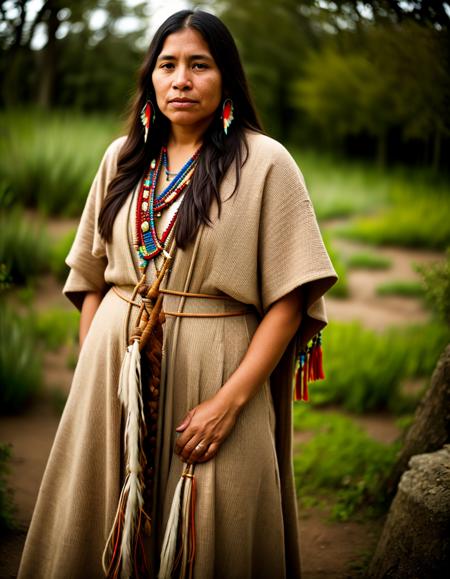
{"x": 87, "y": 257}
{"x": 291, "y": 251}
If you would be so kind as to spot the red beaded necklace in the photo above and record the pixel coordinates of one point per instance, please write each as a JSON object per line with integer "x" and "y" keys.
{"x": 147, "y": 243}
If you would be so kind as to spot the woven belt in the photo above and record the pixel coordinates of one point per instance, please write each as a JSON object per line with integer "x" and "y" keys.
{"x": 190, "y": 295}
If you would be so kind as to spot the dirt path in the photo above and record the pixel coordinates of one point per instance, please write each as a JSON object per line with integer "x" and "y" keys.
{"x": 375, "y": 311}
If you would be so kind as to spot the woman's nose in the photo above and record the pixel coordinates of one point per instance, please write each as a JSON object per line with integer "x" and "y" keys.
{"x": 182, "y": 79}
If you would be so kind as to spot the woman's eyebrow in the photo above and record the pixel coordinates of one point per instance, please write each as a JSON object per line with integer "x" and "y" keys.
{"x": 203, "y": 56}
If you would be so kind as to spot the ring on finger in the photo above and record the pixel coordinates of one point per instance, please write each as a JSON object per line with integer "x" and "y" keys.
{"x": 199, "y": 447}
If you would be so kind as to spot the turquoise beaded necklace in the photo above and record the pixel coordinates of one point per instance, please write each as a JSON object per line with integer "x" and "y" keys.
{"x": 148, "y": 245}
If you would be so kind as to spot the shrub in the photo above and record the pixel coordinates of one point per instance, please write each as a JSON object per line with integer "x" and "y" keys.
{"x": 24, "y": 246}
{"x": 340, "y": 289}
{"x": 342, "y": 461}
{"x": 413, "y": 221}
{"x": 48, "y": 160}
{"x": 368, "y": 261}
{"x": 20, "y": 361}
{"x": 364, "y": 369}
{"x": 436, "y": 279}
{"x": 401, "y": 288}
{"x": 341, "y": 188}
{"x": 57, "y": 327}
{"x": 59, "y": 253}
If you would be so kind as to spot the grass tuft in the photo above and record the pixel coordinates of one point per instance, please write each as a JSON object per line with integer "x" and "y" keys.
{"x": 342, "y": 461}
{"x": 365, "y": 260}
{"x": 401, "y": 288}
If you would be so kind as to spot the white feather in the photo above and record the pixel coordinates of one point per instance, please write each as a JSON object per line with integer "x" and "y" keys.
{"x": 170, "y": 536}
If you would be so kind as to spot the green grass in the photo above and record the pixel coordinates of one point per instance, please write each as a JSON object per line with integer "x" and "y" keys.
{"x": 48, "y": 160}
{"x": 342, "y": 462}
{"x": 366, "y": 260}
{"x": 60, "y": 251}
{"x": 24, "y": 246}
{"x": 56, "y": 327}
{"x": 401, "y": 288}
{"x": 417, "y": 217}
{"x": 364, "y": 369}
{"x": 20, "y": 361}
{"x": 339, "y": 187}
{"x": 402, "y": 206}
{"x": 340, "y": 289}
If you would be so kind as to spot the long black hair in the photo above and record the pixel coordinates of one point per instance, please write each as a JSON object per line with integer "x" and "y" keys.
{"x": 219, "y": 150}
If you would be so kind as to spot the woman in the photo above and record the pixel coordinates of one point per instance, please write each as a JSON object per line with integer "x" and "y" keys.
{"x": 246, "y": 234}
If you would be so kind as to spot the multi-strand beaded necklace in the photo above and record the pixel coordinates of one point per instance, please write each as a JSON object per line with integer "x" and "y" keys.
{"x": 148, "y": 245}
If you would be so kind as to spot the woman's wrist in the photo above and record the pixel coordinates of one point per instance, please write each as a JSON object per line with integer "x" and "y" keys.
{"x": 233, "y": 397}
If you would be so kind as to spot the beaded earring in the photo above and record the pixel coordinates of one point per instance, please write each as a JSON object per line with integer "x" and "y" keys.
{"x": 227, "y": 114}
{"x": 147, "y": 117}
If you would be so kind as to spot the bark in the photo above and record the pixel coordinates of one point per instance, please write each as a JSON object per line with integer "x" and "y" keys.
{"x": 49, "y": 62}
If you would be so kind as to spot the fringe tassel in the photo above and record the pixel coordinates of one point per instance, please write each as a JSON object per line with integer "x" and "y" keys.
{"x": 124, "y": 546}
{"x": 180, "y": 529}
{"x": 308, "y": 368}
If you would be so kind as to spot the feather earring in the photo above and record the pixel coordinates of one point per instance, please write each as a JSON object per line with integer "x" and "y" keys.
{"x": 227, "y": 114}
{"x": 147, "y": 117}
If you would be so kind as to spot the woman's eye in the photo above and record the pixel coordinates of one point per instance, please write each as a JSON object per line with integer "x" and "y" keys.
{"x": 167, "y": 65}
{"x": 200, "y": 65}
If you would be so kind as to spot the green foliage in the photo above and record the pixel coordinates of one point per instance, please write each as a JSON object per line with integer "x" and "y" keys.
{"x": 366, "y": 260}
{"x": 437, "y": 287}
{"x": 340, "y": 289}
{"x": 60, "y": 251}
{"x": 58, "y": 154}
{"x": 85, "y": 62}
{"x": 57, "y": 327}
{"x": 7, "y": 506}
{"x": 341, "y": 459}
{"x": 401, "y": 288}
{"x": 339, "y": 187}
{"x": 20, "y": 361}
{"x": 24, "y": 246}
{"x": 405, "y": 225}
{"x": 361, "y": 72}
{"x": 364, "y": 369}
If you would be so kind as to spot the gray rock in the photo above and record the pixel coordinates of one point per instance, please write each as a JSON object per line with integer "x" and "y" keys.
{"x": 415, "y": 541}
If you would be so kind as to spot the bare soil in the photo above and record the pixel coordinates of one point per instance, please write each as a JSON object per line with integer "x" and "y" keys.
{"x": 328, "y": 549}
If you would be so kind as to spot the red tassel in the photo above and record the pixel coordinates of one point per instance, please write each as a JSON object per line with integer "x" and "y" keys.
{"x": 321, "y": 374}
{"x": 305, "y": 379}
{"x": 308, "y": 368}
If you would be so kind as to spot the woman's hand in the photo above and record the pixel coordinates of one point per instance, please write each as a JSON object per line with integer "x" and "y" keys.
{"x": 204, "y": 428}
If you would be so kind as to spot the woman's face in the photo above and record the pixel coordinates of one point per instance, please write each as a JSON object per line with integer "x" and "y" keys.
{"x": 187, "y": 81}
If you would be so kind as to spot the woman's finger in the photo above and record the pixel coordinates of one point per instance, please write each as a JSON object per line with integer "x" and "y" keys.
{"x": 210, "y": 453}
{"x": 194, "y": 449}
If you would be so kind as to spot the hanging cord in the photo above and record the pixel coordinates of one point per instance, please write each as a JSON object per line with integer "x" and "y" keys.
{"x": 138, "y": 391}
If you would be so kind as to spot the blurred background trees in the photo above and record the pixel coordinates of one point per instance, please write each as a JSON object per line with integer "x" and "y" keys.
{"x": 368, "y": 78}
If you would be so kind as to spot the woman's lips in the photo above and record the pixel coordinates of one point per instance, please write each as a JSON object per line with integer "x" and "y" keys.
{"x": 182, "y": 103}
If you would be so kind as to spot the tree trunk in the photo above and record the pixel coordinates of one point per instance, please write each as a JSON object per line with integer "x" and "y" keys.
{"x": 430, "y": 429}
{"x": 48, "y": 62}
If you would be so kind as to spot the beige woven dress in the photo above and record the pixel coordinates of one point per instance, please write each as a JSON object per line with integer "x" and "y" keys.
{"x": 265, "y": 243}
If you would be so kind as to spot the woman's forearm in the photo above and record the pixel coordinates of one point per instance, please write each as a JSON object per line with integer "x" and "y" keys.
{"x": 90, "y": 305}
{"x": 265, "y": 350}
{"x": 206, "y": 426}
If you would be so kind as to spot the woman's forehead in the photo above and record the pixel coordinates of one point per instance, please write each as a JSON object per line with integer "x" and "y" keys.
{"x": 185, "y": 42}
